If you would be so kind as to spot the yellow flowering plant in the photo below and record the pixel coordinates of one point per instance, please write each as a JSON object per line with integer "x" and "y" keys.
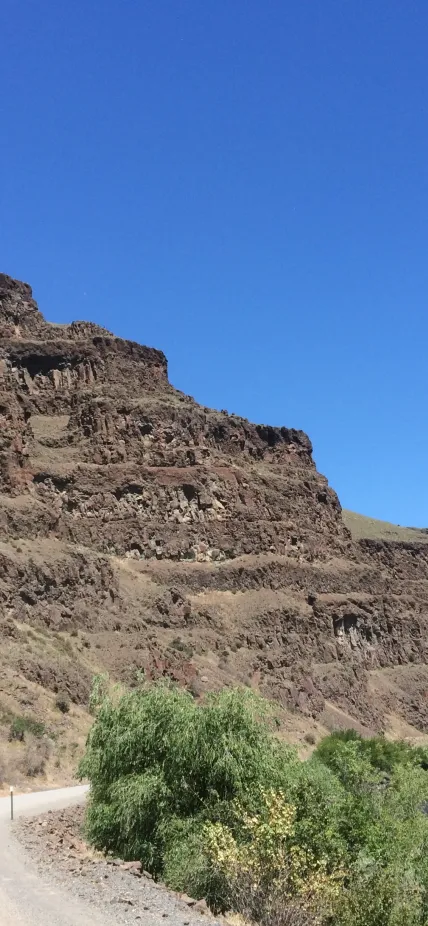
{"x": 265, "y": 865}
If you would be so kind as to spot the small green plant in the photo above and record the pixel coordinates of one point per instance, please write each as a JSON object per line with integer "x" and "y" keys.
{"x": 180, "y": 646}
{"x": 21, "y": 725}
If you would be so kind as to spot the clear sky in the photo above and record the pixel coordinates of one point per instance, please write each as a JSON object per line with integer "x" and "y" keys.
{"x": 244, "y": 184}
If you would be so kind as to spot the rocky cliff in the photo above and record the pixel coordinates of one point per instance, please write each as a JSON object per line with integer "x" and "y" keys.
{"x": 140, "y": 530}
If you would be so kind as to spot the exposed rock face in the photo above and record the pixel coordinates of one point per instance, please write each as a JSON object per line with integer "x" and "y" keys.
{"x": 186, "y": 541}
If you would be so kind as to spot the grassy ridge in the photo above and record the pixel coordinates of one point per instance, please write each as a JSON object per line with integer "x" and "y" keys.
{"x": 361, "y": 527}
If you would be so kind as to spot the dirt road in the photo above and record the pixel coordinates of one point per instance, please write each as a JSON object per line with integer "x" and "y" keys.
{"x": 36, "y": 889}
{"x": 25, "y": 899}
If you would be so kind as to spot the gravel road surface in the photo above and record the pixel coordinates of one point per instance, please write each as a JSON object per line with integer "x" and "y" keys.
{"x": 49, "y": 878}
{"x": 25, "y": 899}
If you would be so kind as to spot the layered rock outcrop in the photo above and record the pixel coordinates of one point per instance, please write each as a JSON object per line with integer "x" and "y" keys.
{"x": 188, "y": 542}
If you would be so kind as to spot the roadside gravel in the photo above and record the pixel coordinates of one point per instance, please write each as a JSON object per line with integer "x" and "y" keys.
{"x": 119, "y": 891}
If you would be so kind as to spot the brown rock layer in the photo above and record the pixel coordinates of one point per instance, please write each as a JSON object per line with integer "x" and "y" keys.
{"x": 187, "y": 542}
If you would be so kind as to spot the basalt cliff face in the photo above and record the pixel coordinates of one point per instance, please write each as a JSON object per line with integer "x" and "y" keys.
{"x": 142, "y": 531}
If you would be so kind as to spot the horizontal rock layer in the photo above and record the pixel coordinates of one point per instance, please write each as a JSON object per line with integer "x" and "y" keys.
{"x": 187, "y": 542}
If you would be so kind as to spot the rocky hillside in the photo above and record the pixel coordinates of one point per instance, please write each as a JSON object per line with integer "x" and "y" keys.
{"x": 142, "y": 531}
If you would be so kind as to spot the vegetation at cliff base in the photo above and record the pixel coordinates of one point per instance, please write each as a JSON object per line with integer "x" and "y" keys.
{"x": 211, "y": 801}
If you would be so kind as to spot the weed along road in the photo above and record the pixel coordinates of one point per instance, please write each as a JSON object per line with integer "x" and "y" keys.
{"x": 26, "y": 899}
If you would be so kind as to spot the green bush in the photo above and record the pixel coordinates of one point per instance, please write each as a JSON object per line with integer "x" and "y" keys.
{"x": 381, "y": 897}
{"x": 188, "y": 867}
{"x": 168, "y": 774}
{"x": 266, "y": 867}
{"x": 382, "y": 754}
{"x": 156, "y": 756}
{"x": 21, "y": 725}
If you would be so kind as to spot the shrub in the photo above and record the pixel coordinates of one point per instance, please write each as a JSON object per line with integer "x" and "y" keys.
{"x": 382, "y": 754}
{"x": 265, "y": 866}
{"x": 156, "y": 755}
{"x": 188, "y": 867}
{"x": 381, "y": 897}
{"x": 62, "y": 702}
{"x": 209, "y": 798}
{"x": 21, "y": 725}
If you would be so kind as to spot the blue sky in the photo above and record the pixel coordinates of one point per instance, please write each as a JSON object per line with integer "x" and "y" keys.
{"x": 244, "y": 184}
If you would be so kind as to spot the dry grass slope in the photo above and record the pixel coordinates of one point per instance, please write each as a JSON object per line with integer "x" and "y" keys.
{"x": 362, "y": 527}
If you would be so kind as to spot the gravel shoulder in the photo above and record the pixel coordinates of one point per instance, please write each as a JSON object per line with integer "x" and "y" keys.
{"x": 25, "y": 898}
{"x": 108, "y": 891}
